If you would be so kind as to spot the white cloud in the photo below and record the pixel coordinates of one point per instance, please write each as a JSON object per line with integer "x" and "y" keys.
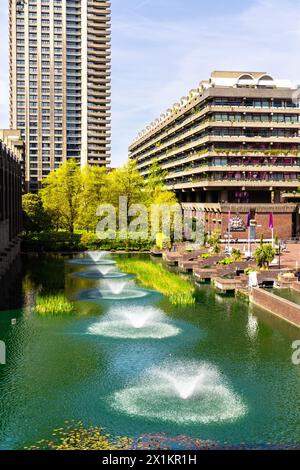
{"x": 157, "y": 59}
{"x": 173, "y": 56}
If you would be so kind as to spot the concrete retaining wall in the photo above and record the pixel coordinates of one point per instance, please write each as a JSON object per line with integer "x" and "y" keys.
{"x": 276, "y": 305}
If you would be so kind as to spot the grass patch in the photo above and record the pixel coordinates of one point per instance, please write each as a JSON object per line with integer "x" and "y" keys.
{"x": 154, "y": 276}
{"x": 52, "y": 305}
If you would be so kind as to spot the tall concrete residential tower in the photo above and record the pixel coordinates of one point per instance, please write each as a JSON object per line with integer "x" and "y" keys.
{"x": 60, "y": 82}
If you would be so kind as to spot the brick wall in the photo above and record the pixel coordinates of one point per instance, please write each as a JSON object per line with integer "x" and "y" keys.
{"x": 282, "y": 225}
{"x": 278, "y": 306}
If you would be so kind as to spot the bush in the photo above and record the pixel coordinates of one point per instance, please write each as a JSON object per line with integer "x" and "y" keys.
{"x": 264, "y": 255}
{"x": 226, "y": 262}
{"x": 80, "y": 241}
{"x": 236, "y": 255}
{"x": 214, "y": 242}
{"x": 163, "y": 242}
{"x": 35, "y": 217}
{"x": 89, "y": 241}
{"x": 51, "y": 242}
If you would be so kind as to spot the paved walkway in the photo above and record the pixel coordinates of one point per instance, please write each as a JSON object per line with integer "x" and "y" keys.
{"x": 291, "y": 257}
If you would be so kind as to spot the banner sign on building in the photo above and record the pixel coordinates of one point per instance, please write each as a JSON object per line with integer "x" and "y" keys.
{"x": 237, "y": 224}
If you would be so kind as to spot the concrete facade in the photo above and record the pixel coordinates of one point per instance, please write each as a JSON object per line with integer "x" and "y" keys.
{"x": 233, "y": 142}
{"x": 10, "y": 201}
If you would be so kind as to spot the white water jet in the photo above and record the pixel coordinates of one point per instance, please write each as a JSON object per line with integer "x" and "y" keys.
{"x": 105, "y": 270}
{"x": 116, "y": 286}
{"x": 186, "y": 381}
{"x": 181, "y": 392}
{"x": 96, "y": 256}
{"x": 139, "y": 317}
{"x": 134, "y": 322}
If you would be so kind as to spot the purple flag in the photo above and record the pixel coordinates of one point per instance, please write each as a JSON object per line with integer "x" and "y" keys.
{"x": 271, "y": 221}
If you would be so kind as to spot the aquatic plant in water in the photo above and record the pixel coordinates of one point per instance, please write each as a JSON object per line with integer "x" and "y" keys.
{"x": 56, "y": 304}
{"x": 154, "y": 276}
{"x": 74, "y": 436}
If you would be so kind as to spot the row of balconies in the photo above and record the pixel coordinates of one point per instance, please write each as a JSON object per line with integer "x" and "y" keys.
{"x": 231, "y": 168}
{"x": 93, "y": 81}
{"x": 207, "y": 182}
{"x": 192, "y": 146}
{"x": 97, "y": 24}
{"x": 103, "y": 47}
{"x": 98, "y": 64}
{"x": 208, "y": 153}
{"x": 200, "y": 141}
{"x": 160, "y": 132}
{"x": 220, "y": 124}
{"x": 203, "y": 166}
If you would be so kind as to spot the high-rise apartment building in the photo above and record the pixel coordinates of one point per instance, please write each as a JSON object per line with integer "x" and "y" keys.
{"x": 60, "y": 82}
{"x": 231, "y": 145}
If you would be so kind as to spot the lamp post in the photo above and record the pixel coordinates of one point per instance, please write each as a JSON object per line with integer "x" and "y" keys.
{"x": 279, "y": 254}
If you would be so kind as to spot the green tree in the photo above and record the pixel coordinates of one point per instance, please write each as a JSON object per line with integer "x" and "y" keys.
{"x": 94, "y": 192}
{"x": 157, "y": 194}
{"x": 155, "y": 188}
{"x": 156, "y": 178}
{"x": 125, "y": 182}
{"x": 35, "y": 217}
{"x": 61, "y": 195}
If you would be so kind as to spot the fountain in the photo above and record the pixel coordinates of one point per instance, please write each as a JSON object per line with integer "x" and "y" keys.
{"x": 185, "y": 385}
{"x": 115, "y": 286}
{"x": 182, "y": 392}
{"x": 134, "y": 322}
{"x": 138, "y": 317}
{"x": 89, "y": 262}
{"x": 102, "y": 272}
{"x": 96, "y": 256}
{"x": 106, "y": 294}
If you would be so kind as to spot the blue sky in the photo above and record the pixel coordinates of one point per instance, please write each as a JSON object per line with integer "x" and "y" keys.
{"x": 163, "y": 48}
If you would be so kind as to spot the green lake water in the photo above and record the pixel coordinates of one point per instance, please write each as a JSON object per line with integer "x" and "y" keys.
{"x": 288, "y": 294}
{"x": 218, "y": 370}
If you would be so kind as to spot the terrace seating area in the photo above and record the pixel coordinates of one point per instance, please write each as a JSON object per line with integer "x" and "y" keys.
{"x": 233, "y": 277}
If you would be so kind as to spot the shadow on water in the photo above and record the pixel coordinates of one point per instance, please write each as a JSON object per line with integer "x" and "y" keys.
{"x": 11, "y": 297}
